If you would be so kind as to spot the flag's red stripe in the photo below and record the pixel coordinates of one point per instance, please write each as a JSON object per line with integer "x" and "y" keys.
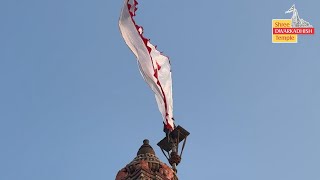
{"x": 132, "y": 14}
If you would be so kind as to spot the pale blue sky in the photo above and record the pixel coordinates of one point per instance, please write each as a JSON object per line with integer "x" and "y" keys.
{"x": 73, "y": 105}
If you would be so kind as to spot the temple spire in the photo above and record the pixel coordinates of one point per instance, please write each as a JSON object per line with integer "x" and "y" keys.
{"x": 147, "y": 166}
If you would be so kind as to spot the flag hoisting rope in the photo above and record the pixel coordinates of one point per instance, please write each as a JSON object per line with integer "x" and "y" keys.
{"x": 153, "y": 65}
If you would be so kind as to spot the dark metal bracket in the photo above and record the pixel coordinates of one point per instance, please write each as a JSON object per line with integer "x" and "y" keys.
{"x": 170, "y": 145}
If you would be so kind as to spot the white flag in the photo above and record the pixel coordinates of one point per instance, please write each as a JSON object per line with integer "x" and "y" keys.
{"x": 154, "y": 67}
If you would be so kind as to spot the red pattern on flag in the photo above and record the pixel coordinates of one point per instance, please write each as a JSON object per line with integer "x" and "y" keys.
{"x": 154, "y": 66}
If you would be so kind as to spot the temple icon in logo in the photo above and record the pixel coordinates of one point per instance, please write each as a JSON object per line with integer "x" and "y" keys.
{"x": 296, "y": 20}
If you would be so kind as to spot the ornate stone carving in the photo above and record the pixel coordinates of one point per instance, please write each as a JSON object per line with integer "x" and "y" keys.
{"x": 146, "y": 166}
{"x": 122, "y": 174}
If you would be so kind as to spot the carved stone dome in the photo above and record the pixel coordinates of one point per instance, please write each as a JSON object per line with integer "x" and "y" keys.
{"x": 147, "y": 166}
{"x": 145, "y": 148}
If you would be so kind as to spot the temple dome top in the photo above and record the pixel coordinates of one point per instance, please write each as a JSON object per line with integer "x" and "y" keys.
{"x": 145, "y": 148}
{"x": 147, "y": 165}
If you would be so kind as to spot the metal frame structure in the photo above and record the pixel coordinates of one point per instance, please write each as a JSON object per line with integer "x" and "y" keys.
{"x": 170, "y": 146}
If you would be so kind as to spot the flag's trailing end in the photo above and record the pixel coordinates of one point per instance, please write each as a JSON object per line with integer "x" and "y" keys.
{"x": 154, "y": 67}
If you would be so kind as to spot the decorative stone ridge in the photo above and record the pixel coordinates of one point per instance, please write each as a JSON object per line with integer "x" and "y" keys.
{"x": 146, "y": 167}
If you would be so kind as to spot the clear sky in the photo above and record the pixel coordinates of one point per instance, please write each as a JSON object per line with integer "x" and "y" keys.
{"x": 73, "y": 105}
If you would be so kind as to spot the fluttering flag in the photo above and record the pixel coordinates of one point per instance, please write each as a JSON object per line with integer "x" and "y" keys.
{"x": 153, "y": 65}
